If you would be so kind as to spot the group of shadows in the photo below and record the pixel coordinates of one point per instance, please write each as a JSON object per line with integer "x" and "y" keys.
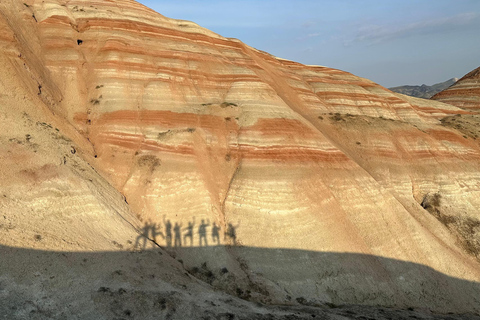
{"x": 176, "y": 236}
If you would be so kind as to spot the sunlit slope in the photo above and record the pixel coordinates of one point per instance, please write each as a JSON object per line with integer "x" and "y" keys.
{"x": 204, "y": 133}
{"x": 464, "y": 94}
{"x": 50, "y": 196}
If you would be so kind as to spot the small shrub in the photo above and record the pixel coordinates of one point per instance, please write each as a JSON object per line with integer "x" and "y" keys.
{"x": 150, "y": 161}
{"x": 163, "y": 134}
{"x": 228, "y": 104}
{"x": 209, "y": 274}
{"x": 44, "y": 124}
{"x": 239, "y": 291}
{"x": 337, "y": 117}
{"x": 332, "y": 305}
{"x": 431, "y": 201}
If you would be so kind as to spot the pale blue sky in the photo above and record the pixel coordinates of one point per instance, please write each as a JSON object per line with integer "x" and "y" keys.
{"x": 392, "y": 42}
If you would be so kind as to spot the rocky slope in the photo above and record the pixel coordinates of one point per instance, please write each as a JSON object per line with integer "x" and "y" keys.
{"x": 272, "y": 181}
{"x": 424, "y": 91}
{"x": 464, "y": 94}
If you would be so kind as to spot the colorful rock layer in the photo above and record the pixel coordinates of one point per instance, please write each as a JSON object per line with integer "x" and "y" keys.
{"x": 214, "y": 143}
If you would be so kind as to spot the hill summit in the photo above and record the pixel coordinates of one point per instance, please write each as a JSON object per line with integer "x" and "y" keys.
{"x": 465, "y": 93}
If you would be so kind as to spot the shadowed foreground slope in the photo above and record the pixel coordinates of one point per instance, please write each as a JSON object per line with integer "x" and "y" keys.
{"x": 149, "y": 284}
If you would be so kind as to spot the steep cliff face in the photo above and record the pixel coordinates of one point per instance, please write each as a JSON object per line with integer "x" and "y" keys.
{"x": 464, "y": 94}
{"x": 302, "y": 182}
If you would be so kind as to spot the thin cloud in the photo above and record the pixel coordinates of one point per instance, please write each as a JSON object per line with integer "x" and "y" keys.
{"x": 309, "y": 24}
{"x": 310, "y": 36}
{"x": 374, "y": 34}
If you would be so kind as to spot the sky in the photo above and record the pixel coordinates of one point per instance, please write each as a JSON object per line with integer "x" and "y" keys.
{"x": 392, "y": 42}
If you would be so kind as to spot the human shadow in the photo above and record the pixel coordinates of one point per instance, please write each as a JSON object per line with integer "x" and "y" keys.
{"x": 231, "y": 234}
{"x": 202, "y": 233}
{"x": 155, "y": 233}
{"x": 146, "y": 233}
{"x": 177, "y": 229}
{"x": 174, "y": 231}
{"x": 216, "y": 234}
{"x": 168, "y": 231}
{"x": 189, "y": 232}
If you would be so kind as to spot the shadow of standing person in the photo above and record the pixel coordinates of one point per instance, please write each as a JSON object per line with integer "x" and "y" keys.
{"x": 216, "y": 234}
{"x": 168, "y": 232}
{"x": 202, "y": 232}
{"x": 189, "y": 233}
{"x": 143, "y": 236}
{"x": 232, "y": 233}
{"x": 156, "y": 233}
{"x": 178, "y": 234}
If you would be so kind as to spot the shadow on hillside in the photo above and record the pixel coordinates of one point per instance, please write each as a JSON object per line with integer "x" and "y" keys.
{"x": 39, "y": 284}
{"x": 206, "y": 234}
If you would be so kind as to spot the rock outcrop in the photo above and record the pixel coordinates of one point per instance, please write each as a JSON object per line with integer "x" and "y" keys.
{"x": 274, "y": 181}
{"x": 464, "y": 94}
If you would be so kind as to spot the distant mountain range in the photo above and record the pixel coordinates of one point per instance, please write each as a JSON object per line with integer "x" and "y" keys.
{"x": 424, "y": 91}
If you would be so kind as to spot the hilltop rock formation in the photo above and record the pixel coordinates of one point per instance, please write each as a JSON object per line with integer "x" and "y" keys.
{"x": 424, "y": 91}
{"x": 464, "y": 94}
{"x": 276, "y": 182}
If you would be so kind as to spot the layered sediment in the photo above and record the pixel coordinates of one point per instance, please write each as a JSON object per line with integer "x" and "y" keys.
{"x": 464, "y": 94}
{"x": 215, "y": 144}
